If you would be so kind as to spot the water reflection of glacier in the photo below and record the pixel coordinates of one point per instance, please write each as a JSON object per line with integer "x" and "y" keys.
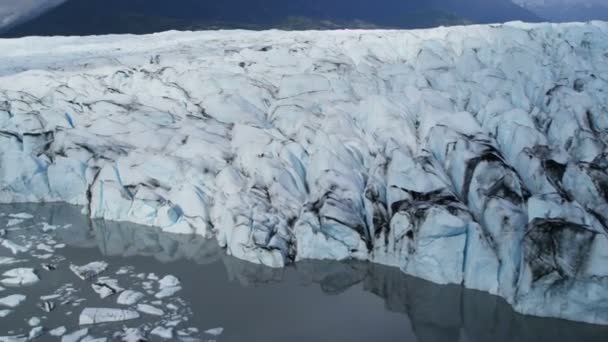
{"x": 436, "y": 313}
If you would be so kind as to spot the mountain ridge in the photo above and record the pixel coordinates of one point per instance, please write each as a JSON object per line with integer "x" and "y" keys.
{"x": 94, "y": 17}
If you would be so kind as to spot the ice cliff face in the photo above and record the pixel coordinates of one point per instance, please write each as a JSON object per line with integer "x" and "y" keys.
{"x": 469, "y": 155}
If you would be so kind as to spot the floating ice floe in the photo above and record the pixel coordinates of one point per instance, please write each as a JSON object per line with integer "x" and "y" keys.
{"x": 168, "y": 281}
{"x": 35, "y": 332}
{"x": 47, "y": 306}
{"x": 90, "y": 270}
{"x": 93, "y": 339}
{"x": 162, "y": 332}
{"x": 43, "y": 256}
{"x": 12, "y": 301}
{"x": 124, "y": 270}
{"x": 14, "y": 248}
{"x": 34, "y": 321}
{"x": 129, "y": 297}
{"x": 49, "y": 267}
{"x": 49, "y": 297}
{"x": 19, "y": 277}
{"x": 23, "y": 216}
{"x": 168, "y": 285}
{"x": 57, "y": 332}
{"x": 17, "y": 338}
{"x": 167, "y": 292}
{"x": 150, "y": 310}
{"x": 9, "y": 261}
{"x": 215, "y": 331}
{"x": 48, "y": 227}
{"x": 131, "y": 335}
{"x": 45, "y": 248}
{"x": 5, "y": 312}
{"x": 14, "y": 222}
{"x": 75, "y": 336}
{"x": 106, "y": 287}
{"x": 105, "y": 315}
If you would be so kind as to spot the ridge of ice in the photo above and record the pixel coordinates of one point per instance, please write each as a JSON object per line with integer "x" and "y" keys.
{"x": 456, "y": 154}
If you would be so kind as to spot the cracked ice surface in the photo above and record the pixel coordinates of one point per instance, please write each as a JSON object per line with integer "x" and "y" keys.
{"x": 470, "y": 155}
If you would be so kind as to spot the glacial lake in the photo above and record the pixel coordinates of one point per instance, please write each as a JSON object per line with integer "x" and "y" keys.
{"x": 220, "y": 298}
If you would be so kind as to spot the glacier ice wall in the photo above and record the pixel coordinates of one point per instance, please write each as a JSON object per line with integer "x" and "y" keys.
{"x": 468, "y": 155}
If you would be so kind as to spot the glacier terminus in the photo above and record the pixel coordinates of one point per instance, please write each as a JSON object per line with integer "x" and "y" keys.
{"x": 470, "y": 155}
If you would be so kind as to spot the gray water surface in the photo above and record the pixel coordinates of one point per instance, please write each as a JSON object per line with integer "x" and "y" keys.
{"x": 311, "y": 301}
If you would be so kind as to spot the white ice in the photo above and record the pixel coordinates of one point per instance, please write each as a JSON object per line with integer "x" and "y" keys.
{"x": 132, "y": 335}
{"x": 162, "y": 332}
{"x": 105, "y": 315}
{"x": 23, "y": 216}
{"x": 215, "y": 331}
{"x": 13, "y": 247}
{"x": 57, "y": 332}
{"x": 19, "y": 277}
{"x": 168, "y": 286}
{"x": 452, "y": 153}
{"x": 12, "y": 301}
{"x": 106, "y": 287}
{"x": 150, "y": 310}
{"x": 9, "y": 261}
{"x": 129, "y": 297}
{"x": 90, "y": 270}
{"x": 75, "y": 335}
{"x": 35, "y": 333}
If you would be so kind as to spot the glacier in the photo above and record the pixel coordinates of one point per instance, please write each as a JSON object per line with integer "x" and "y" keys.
{"x": 466, "y": 155}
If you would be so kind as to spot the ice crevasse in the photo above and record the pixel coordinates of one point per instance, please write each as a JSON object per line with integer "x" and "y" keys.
{"x": 469, "y": 155}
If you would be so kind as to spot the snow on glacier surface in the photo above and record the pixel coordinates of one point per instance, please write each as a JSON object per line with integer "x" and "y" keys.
{"x": 469, "y": 155}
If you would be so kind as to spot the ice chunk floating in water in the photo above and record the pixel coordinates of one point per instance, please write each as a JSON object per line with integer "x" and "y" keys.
{"x": 19, "y": 277}
{"x": 90, "y": 270}
{"x": 129, "y": 297}
{"x": 12, "y": 301}
{"x": 104, "y": 315}
{"x": 468, "y": 155}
